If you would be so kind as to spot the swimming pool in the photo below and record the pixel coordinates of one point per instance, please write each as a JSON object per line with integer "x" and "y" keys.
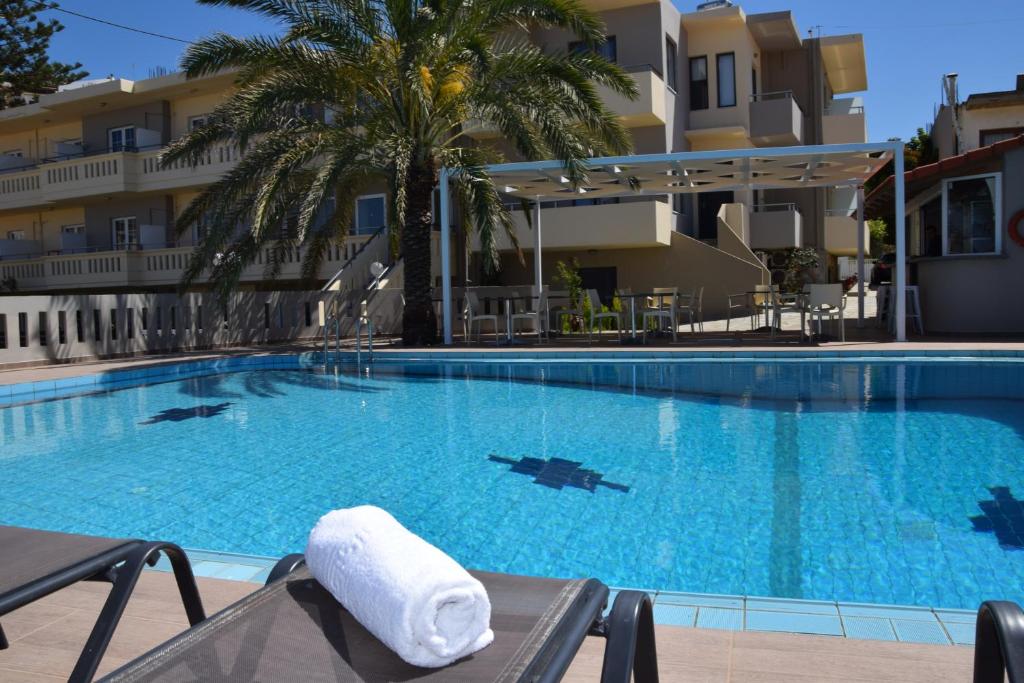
{"x": 867, "y": 481}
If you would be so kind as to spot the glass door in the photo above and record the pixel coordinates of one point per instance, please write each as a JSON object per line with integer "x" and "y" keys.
{"x": 121, "y": 139}
{"x": 126, "y": 233}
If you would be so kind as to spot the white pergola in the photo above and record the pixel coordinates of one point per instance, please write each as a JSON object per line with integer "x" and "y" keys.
{"x": 768, "y": 168}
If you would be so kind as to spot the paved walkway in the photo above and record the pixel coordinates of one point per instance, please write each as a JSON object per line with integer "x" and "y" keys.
{"x": 47, "y": 636}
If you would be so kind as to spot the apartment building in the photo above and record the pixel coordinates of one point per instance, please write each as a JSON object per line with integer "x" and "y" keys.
{"x": 710, "y": 79}
{"x": 981, "y": 120}
{"x": 85, "y": 205}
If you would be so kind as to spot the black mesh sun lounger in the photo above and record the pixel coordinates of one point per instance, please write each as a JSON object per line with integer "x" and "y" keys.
{"x": 34, "y": 564}
{"x": 294, "y": 630}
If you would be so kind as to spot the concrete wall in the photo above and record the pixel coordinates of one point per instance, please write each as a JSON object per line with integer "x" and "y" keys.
{"x": 979, "y": 294}
{"x": 989, "y": 118}
{"x": 153, "y": 116}
{"x": 39, "y": 143}
{"x": 686, "y": 263}
{"x": 253, "y": 318}
{"x": 709, "y": 39}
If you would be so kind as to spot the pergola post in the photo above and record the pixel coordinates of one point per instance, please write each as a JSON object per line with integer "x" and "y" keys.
{"x": 860, "y": 256}
{"x": 538, "y": 273}
{"x": 446, "y": 265}
{"x": 901, "y": 246}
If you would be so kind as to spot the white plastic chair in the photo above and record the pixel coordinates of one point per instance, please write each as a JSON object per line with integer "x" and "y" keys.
{"x": 534, "y": 314}
{"x": 473, "y": 315}
{"x": 596, "y": 315}
{"x": 739, "y": 302}
{"x": 662, "y": 309}
{"x": 827, "y": 301}
{"x": 692, "y": 305}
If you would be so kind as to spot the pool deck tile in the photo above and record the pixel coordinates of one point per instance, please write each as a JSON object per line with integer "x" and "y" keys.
{"x": 720, "y": 618}
{"x": 886, "y": 611}
{"x": 962, "y": 634}
{"x": 960, "y": 616}
{"x": 786, "y": 605}
{"x": 700, "y": 600}
{"x": 675, "y": 615}
{"x": 794, "y": 622}
{"x": 915, "y": 631}
{"x": 868, "y": 628}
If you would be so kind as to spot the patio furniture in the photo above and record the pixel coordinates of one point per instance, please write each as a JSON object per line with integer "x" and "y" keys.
{"x": 532, "y": 310}
{"x": 762, "y": 300}
{"x": 658, "y": 310}
{"x": 692, "y": 305}
{"x": 739, "y": 302}
{"x": 887, "y": 307}
{"x": 474, "y": 315}
{"x": 293, "y": 629}
{"x": 35, "y": 563}
{"x": 999, "y": 643}
{"x": 597, "y": 315}
{"x": 826, "y": 301}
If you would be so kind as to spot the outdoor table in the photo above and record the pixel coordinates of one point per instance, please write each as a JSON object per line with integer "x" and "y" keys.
{"x": 633, "y": 296}
{"x": 798, "y": 300}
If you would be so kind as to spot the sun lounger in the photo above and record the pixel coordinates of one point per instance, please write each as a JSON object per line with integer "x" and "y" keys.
{"x": 293, "y": 629}
{"x": 34, "y": 564}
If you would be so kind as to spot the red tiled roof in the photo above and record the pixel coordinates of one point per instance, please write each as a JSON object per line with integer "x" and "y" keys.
{"x": 945, "y": 167}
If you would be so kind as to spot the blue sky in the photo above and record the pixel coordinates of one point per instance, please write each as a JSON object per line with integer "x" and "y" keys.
{"x": 908, "y": 49}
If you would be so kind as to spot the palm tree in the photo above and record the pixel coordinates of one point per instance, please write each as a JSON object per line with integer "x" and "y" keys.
{"x": 401, "y": 80}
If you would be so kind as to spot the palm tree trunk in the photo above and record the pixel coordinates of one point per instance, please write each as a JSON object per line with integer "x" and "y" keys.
{"x": 419, "y": 323}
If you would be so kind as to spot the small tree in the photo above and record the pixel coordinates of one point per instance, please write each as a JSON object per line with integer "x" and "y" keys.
{"x": 569, "y": 275}
{"x": 25, "y": 69}
{"x": 878, "y": 232}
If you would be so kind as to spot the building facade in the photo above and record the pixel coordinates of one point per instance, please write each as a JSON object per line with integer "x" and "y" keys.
{"x": 981, "y": 120}
{"x": 85, "y": 205}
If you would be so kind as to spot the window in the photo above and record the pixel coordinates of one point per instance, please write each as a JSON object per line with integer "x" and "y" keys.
{"x": 121, "y": 139}
{"x": 609, "y": 50}
{"x": 43, "y": 338}
{"x": 3, "y": 331}
{"x": 129, "y": 323}
{"x": 698, "y": 83}
{"x": 196, "y": 122}
{"x": 309, "y": 314}
{"x": 371, "y": 214}
{"x": 62, "y": 327}
{"x": 15, "y": 235}
{"x": 79, "y": 327}
{"x": 97, "y": 328}
{"x": 144, "y": 318}
{"x": 753, "y": 82}
{"x": 125, "y": 232}
{"x": 23, "y": 330}
{"x": 670, "y": 62}
{"x": 971, "y": 207}
{"x": 725, "y": 64}
{"x": 113, "y": 324}
{"x": 929, "y": 218}
{"x": 991, "y": 137}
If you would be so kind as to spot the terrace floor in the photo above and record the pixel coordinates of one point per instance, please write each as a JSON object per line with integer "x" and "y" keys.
{"x": 47, "y": 636}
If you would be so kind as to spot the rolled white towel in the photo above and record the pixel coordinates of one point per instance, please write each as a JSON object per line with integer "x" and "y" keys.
{"x": 414, "y": 598}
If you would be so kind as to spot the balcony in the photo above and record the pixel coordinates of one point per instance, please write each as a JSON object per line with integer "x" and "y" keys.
{"x": 841, "y": 233}
{"x": 147, "y": 268}
{"x": 844, "y": 123}
{"x": 776, "y": 226}
{"x": 776, "y": 120}
{"x": 628, "y": 224}
{"x": 109, "y": 173}
{"x": 648, "y": 109}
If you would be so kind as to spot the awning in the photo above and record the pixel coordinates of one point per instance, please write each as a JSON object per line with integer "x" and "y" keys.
{"x": 694, "y": 172}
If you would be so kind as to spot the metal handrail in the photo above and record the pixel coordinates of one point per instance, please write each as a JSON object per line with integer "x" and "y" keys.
{"x": 778, "y": 206}
{"x": 775, "y": 95}
{"x": 844, "y": 111}
{"x": 374, "y": 235}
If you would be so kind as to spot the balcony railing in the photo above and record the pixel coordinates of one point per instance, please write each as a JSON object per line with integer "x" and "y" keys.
{"x": 779, "y": 206}
{"x": 100, "y": 172}
{"x": 142, "y": 266}
{"x": 775, "y": 95}
{"x": 776, "y": 119}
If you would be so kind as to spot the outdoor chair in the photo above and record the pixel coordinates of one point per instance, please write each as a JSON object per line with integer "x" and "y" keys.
{"x": 533, "y": 311}
{"x": 692, "y": 305}
{"x": 596, "y": 315}
{"x": 662, "y": 308}
{"x": 34, "y": 564}
{"x": 294, "y": 630}
{"x": 763, "y": 301}
{"x": 739, "y": 302}
{"x": 473, "y": 315}
{"x": 826, "y": 301}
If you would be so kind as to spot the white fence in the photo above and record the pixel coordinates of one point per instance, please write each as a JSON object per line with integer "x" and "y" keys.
{"x": 58, "y": 328}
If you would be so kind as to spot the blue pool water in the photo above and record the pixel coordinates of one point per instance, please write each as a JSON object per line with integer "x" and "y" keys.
{"x": 891, "y": 482}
